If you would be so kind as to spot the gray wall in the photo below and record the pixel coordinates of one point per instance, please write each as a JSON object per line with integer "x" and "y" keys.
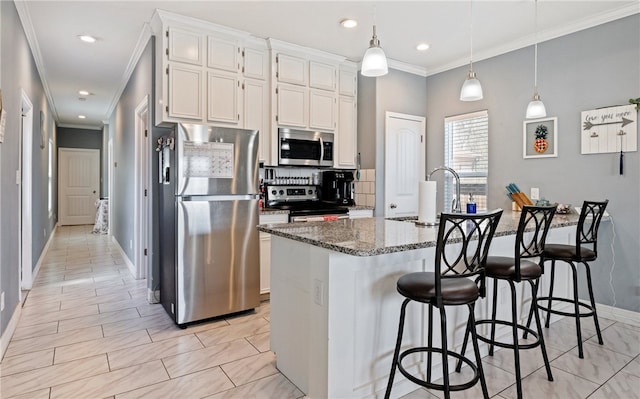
{"x": 395, "y": 92}
{"x": 593, "y": 68}
{"x": 19, "y": 73}
{"x": 121, "y": 130}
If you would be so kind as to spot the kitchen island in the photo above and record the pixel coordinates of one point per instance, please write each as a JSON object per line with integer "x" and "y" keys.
{"x": 335, "y": 309}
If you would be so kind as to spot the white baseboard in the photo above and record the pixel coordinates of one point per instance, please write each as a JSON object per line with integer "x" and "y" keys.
{"x": 617, "y": 314}
{"x": 127, "y": 261}
{"x": 11, "y": 328}
{"x": 43, "y": 254}
{"x": 153, "y": 296}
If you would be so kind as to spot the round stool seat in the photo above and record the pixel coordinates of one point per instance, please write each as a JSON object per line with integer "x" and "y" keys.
{"x": 565, "y": 252}
{"x": 504, "y": 267}
{"x": 421, "y": 286}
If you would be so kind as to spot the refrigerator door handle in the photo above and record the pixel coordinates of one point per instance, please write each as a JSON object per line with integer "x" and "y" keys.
{"x": 241, "y": 197}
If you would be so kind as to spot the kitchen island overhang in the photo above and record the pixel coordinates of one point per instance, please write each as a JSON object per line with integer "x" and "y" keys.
{"x": 334, "y": 305}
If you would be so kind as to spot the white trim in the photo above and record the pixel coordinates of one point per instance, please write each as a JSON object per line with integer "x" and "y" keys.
{"x": 10, "y": 330}
{"x": 141, "y": 216}
{"x": 127, "y": 261}
{"x": 26, "y": 191}
{"x": 44, "y": 253}
{"x": 153, "y": 296}
{"x": 619, "y": 315}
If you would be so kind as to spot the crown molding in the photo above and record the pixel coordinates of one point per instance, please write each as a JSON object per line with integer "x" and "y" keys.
{"x": 30, "y": 33}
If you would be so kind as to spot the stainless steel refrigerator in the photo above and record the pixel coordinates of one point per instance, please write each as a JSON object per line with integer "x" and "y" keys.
{"x": 209, "y": 242}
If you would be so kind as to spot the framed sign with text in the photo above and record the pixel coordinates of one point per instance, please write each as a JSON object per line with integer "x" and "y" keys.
{"x": 610, "y": 129}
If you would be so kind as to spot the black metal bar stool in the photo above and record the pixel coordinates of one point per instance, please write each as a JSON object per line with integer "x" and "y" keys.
{"x": 586, "y": 234}
{"x": 461, "y": 252}
{"x": 529, "y": 243}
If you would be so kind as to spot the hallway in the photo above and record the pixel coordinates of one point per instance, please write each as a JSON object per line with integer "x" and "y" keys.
{"x": 87, "y": 331}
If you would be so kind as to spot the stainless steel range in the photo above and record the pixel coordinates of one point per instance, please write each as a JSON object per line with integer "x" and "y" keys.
{"x": 303, "y": 203}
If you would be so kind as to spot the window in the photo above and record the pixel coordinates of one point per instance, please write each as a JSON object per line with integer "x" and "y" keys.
{"x": 466, "y": 150}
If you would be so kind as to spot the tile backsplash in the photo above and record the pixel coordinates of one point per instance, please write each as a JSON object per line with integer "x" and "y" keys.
{"x": 365, "y": 188}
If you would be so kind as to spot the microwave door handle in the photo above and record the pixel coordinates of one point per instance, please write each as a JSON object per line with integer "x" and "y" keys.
{"x": 321, "y": 151}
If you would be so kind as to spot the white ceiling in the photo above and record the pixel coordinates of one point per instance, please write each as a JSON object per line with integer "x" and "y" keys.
{"x": 67, "y": 65}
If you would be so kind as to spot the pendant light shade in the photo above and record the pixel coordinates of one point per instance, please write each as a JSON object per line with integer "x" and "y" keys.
{"x": 536, "y": 108}
{"x": 374, "y": 62}
{"x": 471, "y": 88}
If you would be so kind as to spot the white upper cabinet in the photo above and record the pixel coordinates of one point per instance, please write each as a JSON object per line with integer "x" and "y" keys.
{"x": 322, "y": 76}
{"x": 291, "y": 69}
{"x": 185, "y": 92}
{"x": 223, "y": 98}
{"x": 322, "y": 106}
{"x": 185, "y": 46}
{"x": 256, "y": 113}
{"x": 293, "y": 105}
{"x": 255, "y": 63}
{"x": 346, "y": 136}
{"x": 223, "y": 54}
{"x": 348, "y": 83}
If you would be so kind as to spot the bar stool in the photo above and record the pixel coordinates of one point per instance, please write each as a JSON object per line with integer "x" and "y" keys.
{"x": 586, "y": 234}
{"x": 461, "y": 252}
{"x": 529, "y": 243}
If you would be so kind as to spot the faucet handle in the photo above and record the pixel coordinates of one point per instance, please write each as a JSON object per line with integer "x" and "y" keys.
{"x": 454, "y": 205}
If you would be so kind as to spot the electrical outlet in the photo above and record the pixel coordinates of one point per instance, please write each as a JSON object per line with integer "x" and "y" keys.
{"x": 318, "y": 292}
{"x": 2, "y": 301}
{"x": 535, "y": 193}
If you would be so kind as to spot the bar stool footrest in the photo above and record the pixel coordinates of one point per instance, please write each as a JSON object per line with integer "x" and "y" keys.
{"x": 431, "y": 385}
{"x": 563, "y": 313}
{"x": 521, "y": 327}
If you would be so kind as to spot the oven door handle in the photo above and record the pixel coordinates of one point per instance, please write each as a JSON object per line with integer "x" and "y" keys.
{"x": 318, "y": 218}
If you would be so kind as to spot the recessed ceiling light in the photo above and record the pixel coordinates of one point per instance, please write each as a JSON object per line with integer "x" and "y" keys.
{"x": 422, "y": 47}
{"x": 349, "y": 23}
{"x": 83, "y": 92}
{"x": 87, "y": 38}
{"x": 81, "y": 117}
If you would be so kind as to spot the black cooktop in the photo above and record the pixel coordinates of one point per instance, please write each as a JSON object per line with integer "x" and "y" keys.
{"x": 298, "y": 208}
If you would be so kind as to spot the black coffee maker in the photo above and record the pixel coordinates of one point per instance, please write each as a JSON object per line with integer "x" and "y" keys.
{"x": 337, "y": 187}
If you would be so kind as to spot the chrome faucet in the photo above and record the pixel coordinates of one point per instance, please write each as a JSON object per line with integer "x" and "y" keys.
{"x": 455, "y": 204}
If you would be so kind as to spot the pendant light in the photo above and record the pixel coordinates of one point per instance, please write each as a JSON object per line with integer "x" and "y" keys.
{"x": 471, "y": 88}
{"x": 374, "y": 62}
{"x": 536, "y": 108}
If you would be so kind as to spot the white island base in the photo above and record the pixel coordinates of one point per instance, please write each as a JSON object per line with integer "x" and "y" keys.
{"x": 334, "y": 316}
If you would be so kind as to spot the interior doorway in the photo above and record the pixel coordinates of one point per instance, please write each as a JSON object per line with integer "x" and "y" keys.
{"x": 404, "y": 163}
{"x": 142, "y": 192}
{"x": 78, "y": 185}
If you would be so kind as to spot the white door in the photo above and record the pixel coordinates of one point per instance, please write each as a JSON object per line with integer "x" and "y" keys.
{"x": 79, "y": 185}
{"x": 404, "y": 163}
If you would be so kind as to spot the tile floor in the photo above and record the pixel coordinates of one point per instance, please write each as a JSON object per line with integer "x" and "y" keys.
{"x": 87, "y": 331}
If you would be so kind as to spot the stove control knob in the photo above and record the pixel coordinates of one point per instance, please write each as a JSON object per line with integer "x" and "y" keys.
{"x": 281, "y": 192}
{"x": 273, "y": 192}
{"x": 310, "y": 192}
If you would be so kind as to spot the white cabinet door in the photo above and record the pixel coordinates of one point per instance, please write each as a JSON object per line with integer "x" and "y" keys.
{"x": 348, "y": 83}
{"x": 256, "y": 114}
{"x": 185, "y": 92}
{"x": 223, "y": 54}
{"x": 255, "y": 63}
{"x": 185, "y": 46}
{"x": 265, "y": 263}
{"x": 292, "y": 106}
{"x": 346, "y": 136}
{"x": 222, "y": 98}
{"x": 322, "y": 110}
{"x": 291, "y": 70}
{"x": 322, "y": 76}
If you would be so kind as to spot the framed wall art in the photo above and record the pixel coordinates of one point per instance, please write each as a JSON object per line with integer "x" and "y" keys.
{"x": 540, "y": 138}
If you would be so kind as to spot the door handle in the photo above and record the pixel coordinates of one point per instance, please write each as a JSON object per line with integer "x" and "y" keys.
{"x": 94, "y": 191}
{"x": 393, "y": 206}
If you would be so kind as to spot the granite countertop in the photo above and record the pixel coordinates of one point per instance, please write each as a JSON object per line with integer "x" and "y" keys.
{"x": 377, "y": 236}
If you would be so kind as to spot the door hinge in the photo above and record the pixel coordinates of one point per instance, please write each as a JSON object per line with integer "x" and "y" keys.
{"x": 277, "y": 74}
{"x": 421, "y": 138}
{"x": 276, "y": 118}
{"x": 238, "y": 117}
{"x": 243, "y": 53}
{"x": 146, "y": 133}
{"x": 167, "y": 33}
{"x": 145, "y": 192}
{"x": 167, "y": 108}
{"x": 167, "y": 51}
{"x": 145, "y": 252}
{"x": 276, "y": 90}
{"x": 242, "y": 69}
{"x": 242, "y": 86}
{"x": 167, "y": 70}
{"x": 276, "y": 59}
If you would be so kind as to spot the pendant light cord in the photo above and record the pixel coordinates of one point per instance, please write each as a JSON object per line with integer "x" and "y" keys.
{"x": 535, "y": 67}
{"x": 471, "y": 34}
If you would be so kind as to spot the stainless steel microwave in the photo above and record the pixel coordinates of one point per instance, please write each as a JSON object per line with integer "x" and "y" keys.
{"x": 304, "y": 148}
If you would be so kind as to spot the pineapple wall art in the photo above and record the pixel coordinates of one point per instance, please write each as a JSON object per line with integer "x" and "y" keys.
{"x": 540, "y": 138}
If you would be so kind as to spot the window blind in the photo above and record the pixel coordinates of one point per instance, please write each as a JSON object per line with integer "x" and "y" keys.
{"x": 466, "y": 150}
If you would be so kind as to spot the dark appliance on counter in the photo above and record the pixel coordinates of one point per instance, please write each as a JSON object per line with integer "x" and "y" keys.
{"x": 304, "y": 148}
{"x": 303, "y": 203}
{"x": 210, "y": 248}
{"x": 337, "y": 187}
